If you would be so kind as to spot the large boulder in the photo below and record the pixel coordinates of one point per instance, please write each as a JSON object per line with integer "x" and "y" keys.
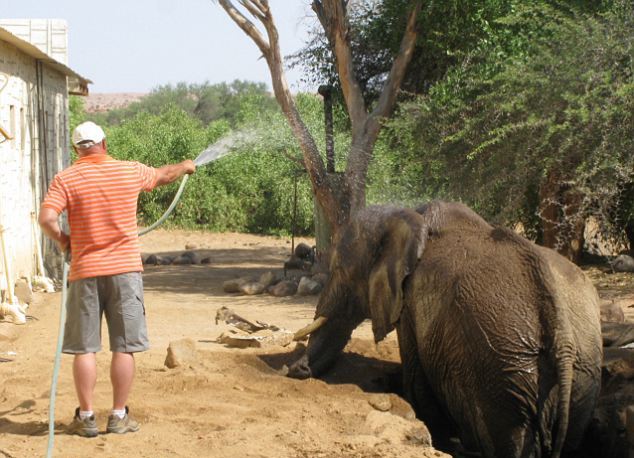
{"x": 268, "y": 278}
{"x": 252, "y": 288}
{"x": 233, "y": 285}
{"x": 180, "y": 352}
{"x": 308, "y": 287}
{"x": 283, "y": 288}
{"x": 623, "y": 263}
{"x": 188, "y": 257}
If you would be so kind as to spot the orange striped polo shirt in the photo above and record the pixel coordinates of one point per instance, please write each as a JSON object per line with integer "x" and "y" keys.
{"x": 100, "y": 196}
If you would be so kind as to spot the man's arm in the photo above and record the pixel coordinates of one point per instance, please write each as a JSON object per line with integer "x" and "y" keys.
{"x": 169, "y": 173}
{"x": 50, "y": 227}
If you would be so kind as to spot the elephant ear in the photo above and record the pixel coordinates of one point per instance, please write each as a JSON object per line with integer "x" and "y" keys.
{"x": 397, "y": 255}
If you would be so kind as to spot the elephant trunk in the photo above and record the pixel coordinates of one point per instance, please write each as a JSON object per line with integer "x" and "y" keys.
{"x": 324, "y": 346}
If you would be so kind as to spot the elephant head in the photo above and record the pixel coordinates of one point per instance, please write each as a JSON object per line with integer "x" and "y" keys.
{"x": 372, "y": 258}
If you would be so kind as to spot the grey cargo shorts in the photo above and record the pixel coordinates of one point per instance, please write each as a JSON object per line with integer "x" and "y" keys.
{"x": 120, "y": 297}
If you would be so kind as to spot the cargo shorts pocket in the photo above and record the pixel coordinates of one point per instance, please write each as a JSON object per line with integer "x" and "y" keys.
{"x": 129, "y": 330}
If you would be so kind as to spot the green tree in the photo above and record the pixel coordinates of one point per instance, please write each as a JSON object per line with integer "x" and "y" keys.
{"x": 207, "y": 102}
{"x": 543, "y": 137}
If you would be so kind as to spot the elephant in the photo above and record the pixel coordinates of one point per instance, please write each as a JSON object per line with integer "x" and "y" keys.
{"x": 500, "y": 339}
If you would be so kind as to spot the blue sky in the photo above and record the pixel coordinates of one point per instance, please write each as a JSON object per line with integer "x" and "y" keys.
{"x": 136, "y": 45}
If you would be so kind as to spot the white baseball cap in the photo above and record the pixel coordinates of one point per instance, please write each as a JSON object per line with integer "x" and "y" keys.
{"x": 87, "y": 134}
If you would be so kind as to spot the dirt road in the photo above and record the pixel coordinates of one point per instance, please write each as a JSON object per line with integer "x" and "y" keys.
{"x": 229, "y": 402}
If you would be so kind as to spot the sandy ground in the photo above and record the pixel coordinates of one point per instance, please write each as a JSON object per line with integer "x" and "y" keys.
{"x": 228, "y": 402}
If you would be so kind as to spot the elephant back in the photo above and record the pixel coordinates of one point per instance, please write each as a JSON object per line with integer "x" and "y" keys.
{"x": 496, "y": 320}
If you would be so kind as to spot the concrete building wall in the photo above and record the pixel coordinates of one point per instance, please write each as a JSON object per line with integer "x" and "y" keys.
{"x": 35, "y": 96}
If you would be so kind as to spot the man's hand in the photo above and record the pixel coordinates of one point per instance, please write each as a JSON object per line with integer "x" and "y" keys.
{"x": 64, "y": 242}
{"x": 189, "y": 166}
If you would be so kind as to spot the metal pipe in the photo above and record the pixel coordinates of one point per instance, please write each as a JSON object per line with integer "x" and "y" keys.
{"x": 326, "y": 92}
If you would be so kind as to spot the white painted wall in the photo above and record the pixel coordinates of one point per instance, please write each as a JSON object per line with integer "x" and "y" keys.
{"x": 49, "y": 35}
{"x": 25, "y": 170}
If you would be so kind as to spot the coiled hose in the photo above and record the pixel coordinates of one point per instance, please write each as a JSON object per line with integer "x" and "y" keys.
{"x": 62, "y": 319}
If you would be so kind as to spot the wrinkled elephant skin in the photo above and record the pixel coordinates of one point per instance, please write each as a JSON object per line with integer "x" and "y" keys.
{"x": 500, "y": 339}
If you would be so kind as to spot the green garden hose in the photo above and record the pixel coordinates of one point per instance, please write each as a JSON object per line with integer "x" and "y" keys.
{"x": 62, "y": 320}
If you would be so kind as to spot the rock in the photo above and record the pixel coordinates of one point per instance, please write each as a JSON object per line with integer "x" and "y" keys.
{"x": 23, "y": 291}
{"x": 166, "y": 260}
{"x": 320, "y": 278}
{"x": 269, "y": 278}
{"x": 182, "y": 260}
{"x": 206, "y": 260}
{"x": 617, "y": 334}
{"x": 180, "y": 352}
{"x": 401, "y": 407}
{"x": 191, "y": 246}
{"x": 293, "y": 263}
{"x": 151, "y": 259}
{"x": 195, "y": 257}
{"x": 611, "y": 312}
{"x": 233, "y": 285}
{"x": 381, "y": 402}
{"x": 304, "y": 251}
{"x": 397, "y": 430}
{"x": 308, "y": 287}
{"x": 252, "y": 288}
{"x": 283, "y": 288}
{"x": 623, "y": 263}
{"x": 188, "y": 257}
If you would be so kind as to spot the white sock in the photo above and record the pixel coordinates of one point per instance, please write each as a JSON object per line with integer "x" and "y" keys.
{"x": 83, "y": 414}
{"x": 119, "y": 412}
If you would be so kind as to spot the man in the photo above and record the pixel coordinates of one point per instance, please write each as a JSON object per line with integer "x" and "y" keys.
{"x": 100, "y": 197}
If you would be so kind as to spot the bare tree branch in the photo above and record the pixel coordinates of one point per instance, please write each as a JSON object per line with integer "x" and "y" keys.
{"x": 246, "y": 25}
{"x": 254, "y": 9}
{"x": 313, "y": 162}
{"x": 363, "y": 145}
{"x": 294, "y": 159}
{"x": 387, "y": 99}
{"x": 333, "y": 17}
{"x": 263, "y": 6}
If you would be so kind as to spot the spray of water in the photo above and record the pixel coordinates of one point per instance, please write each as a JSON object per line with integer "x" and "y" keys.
{"x": 224, "y": 146}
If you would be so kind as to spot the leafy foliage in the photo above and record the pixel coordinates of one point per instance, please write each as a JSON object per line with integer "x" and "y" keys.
{"x": 450, "y": 32}
{"x": 250, "y": 190}
{"x": 496, "y": 133}
{"x": 206, "y": 102}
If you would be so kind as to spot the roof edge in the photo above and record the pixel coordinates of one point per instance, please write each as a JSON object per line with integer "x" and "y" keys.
{"x": 77, "y": 84}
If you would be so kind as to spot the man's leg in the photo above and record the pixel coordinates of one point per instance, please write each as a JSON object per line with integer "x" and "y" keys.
{"x": 85, "y": 376}
{"x": 121, "y": 376}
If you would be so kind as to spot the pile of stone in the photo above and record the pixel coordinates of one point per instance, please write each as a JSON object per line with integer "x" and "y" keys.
{"x": 301, "y": 276}
{"x": 273, "y": 284}
{"x": 185, "y": 258}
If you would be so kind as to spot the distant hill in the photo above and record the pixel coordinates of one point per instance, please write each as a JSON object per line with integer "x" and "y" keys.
{"x": 98, "y": 103}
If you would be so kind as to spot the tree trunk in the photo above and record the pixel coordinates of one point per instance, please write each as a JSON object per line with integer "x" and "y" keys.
{"x": 629, "y": 233}
{"x": 562, "y": 225}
